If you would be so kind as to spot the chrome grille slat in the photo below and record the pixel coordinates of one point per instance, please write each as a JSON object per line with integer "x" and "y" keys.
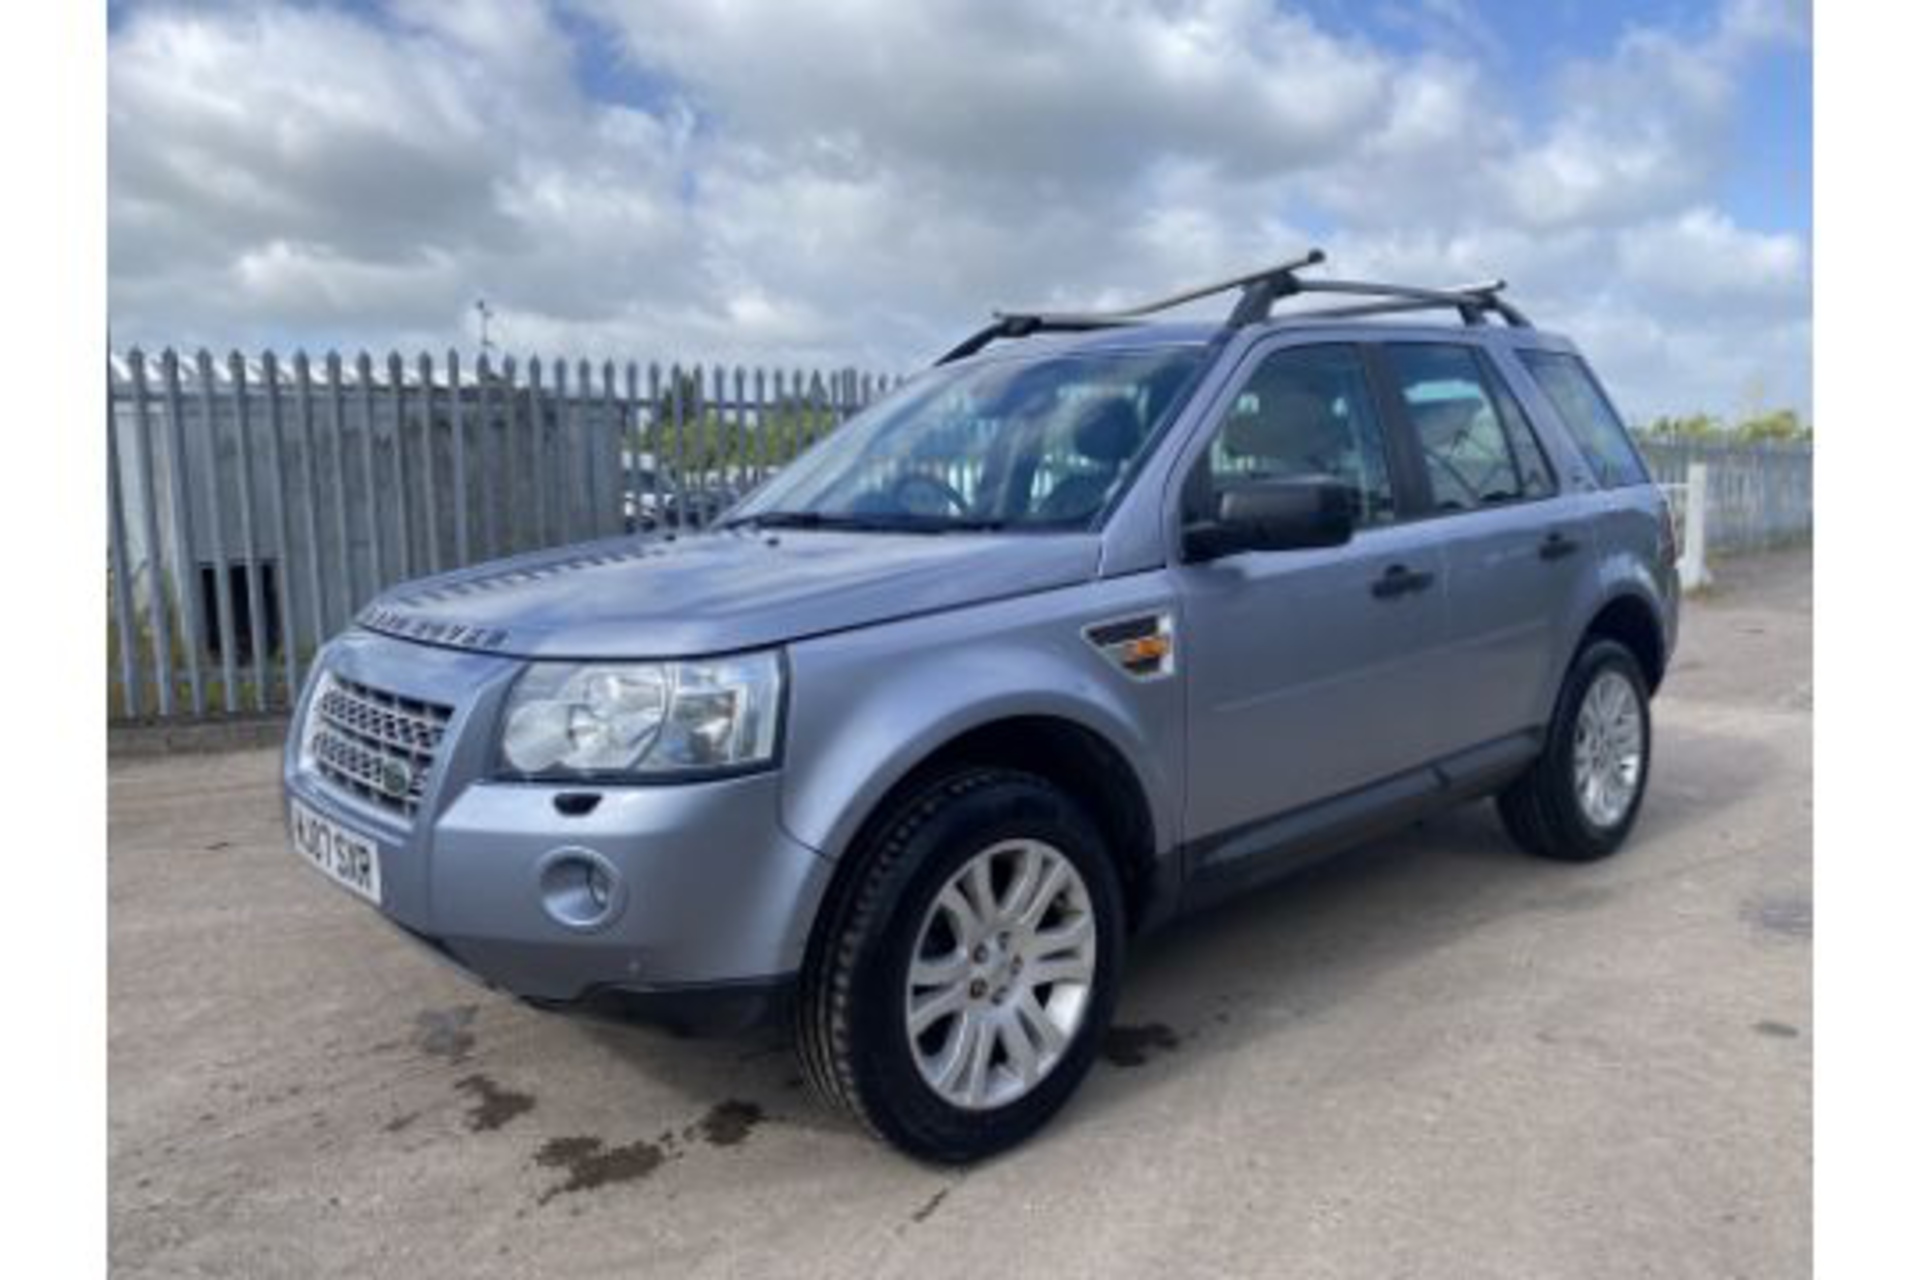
{"x": 362, "y": 739}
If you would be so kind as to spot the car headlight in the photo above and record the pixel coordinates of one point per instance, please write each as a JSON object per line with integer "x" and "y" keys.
{"x": 642, "y": 719}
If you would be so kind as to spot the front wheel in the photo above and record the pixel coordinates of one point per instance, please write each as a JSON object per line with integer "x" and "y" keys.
{"x": 958, "y": 995}
{"x": 1579, "y": 799}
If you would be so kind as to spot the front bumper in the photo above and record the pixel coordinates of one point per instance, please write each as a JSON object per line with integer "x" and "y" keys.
{"x": 711, "y": 894}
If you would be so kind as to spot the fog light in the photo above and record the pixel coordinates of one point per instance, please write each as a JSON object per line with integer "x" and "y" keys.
{"x": 581, "y": 889}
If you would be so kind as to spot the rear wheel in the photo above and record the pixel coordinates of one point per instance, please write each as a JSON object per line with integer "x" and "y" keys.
{"x": 957, "y": 996}
{"x": 1579, "y": 800}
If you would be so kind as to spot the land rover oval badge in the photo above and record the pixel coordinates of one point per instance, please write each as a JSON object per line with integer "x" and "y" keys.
{"x": 396, "y": 778}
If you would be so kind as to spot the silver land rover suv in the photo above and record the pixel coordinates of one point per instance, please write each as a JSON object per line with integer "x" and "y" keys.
{"x": 1096, "y": 621}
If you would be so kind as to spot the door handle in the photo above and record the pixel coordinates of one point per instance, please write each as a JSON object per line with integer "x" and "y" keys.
{"x": 1399, "y": 580}
{"x": 1558, "y": 546}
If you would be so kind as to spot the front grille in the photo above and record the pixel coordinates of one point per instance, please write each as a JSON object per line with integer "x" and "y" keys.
{"x": 376, "y": 745}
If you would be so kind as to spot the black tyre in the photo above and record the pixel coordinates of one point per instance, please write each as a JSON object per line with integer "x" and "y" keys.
{"x": 1579, "y": 800}
{"x": 957, "y": 992}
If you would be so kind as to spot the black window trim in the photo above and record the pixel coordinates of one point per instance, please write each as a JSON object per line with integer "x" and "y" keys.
{"x": 1401, "y": 426}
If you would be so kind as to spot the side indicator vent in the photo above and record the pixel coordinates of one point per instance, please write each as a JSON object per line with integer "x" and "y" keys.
{"x": 1141, "y": 646}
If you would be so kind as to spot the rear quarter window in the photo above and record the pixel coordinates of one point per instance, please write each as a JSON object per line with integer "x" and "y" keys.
{"x": 1596, "y": 429}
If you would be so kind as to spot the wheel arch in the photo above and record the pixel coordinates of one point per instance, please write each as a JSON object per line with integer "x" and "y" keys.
{"x": 1633, "y": 621}
{"x": 1079, "y": 759}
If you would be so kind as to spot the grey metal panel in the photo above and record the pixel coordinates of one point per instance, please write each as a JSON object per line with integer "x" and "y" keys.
{"x": 778, "y": 427}
{"x": 430, "y": 464}
{"x": 628, "y": 446}
{"x": 582, "y": 420}
{"x": 249, "y": 545}
{"x": 350, "y": 596}
{"x": 488, "y": 455}
{"x": 1512, "y": 614}
{"x": 677, "y": 389}
{"x": 370, "y": 473}
{"x": 402, "y": 486}
{"x": 606, "y": 461}
{"x": 762, "y": 428}
{"x": 186, "y": 573}
{"x": 222, "y": 584}
{"x": 462, "y": 545}
{"x": 160, "y": 598}
{"x": 123, "y": 613}
{"x": 277, "y": 459}
{"x": 310, "y": 502}
{"x": 536, "y": 411}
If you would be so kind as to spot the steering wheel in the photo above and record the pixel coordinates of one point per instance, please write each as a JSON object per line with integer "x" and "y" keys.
{"x": 949, "y": 499}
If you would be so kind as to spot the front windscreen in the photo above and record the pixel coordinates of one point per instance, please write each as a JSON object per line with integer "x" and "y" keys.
{"x": 1041, "y": 442}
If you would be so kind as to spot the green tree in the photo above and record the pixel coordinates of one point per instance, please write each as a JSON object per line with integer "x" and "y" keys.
{"x": 1694, "y": 426}
{"x": 1779, "y": 426}
{"x": 1782, "y": 426}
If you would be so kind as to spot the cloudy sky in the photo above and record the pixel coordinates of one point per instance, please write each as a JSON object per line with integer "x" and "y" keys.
{"x": 859, "y": 181}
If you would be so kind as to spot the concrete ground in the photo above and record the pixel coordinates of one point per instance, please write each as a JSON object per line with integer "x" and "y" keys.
{"x": 1434, "y": 1058}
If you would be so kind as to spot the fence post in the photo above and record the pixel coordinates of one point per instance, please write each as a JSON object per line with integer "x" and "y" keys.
{"x": 310, "y": 508}
{"x": 161, "y": 606}
{"x": 349, "y": 599}
{"x": 222, "y": 584}
{"x": 122, "y": 598}
{"x": 277, "y": 455}
{"x": 430, "y": 463}
{"x": 186, "y": 571}
{"x": 1693, "y": 555}
{"x": 249, "y": 538}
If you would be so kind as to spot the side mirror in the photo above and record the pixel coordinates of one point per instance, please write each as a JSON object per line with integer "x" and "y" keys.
{"x": 1276, "y": 515}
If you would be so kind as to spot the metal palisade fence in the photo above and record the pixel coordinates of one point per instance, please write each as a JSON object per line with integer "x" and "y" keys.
{"x": 255, "y": 504}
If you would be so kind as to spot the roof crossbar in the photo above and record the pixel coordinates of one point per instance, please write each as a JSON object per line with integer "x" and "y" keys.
{"x": 1021, "y": 324}
{"x": 1471, "y": 301}
{"x": 1259, "y": 290}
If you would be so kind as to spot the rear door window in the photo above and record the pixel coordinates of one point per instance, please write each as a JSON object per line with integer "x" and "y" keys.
{"x": 1597, "y": 430}
{"x": 1472, "y": 453}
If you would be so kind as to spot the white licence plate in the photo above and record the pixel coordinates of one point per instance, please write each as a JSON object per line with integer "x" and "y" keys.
{"x": 348, "y": 859}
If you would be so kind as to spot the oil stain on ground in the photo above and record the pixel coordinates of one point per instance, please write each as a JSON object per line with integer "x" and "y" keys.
{"x": 727, "y": 1123}
{"x": 445, "y": 1033}
{"x": 492, "y": 1106}
{"x": 590, "y": 1163}
{"x": 1133, "y": 1046}
{"x": 1778, "y": 1030}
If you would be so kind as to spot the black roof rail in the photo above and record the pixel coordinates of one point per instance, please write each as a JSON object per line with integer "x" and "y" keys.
{"x": 1259, "y": 290}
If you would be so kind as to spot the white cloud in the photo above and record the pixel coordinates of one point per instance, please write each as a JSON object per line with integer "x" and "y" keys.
{"x": 1049, "y": 94}
{"x": 860, "y": 180}
{"x": 1701, "y": 257}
